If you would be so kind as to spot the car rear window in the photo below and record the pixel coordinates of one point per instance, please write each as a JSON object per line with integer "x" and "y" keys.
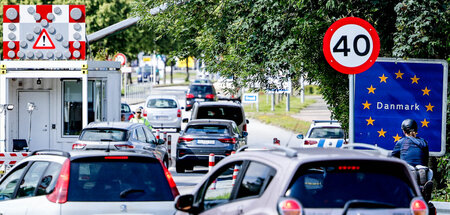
{"x": 207, "y": 129}
{"x": 201, "y": 89}
{"x": 214, "y": 112}
{"x": 123, "y": 179}
{"x": 327, "y": 132}
{"x": 103, "y": 134}
{"x": 162, "y": 103}
{"x": 333, "y": 184}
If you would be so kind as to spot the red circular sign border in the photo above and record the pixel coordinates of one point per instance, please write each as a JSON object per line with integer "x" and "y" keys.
{"x": 375, "y": 41}
{"x": 124, "y": 57}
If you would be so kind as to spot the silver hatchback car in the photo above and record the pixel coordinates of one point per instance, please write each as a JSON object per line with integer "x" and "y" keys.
{"x": 88, "y": 182}
{"x": 278, "y": 180}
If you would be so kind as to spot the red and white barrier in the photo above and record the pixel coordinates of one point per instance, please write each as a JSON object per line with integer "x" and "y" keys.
{"x": 235, "y": 173}
{"x": 165, "y": 136}
{"x": 158, "y": 134}
{"x": 211, "y": 162}
{"x": 9, "y": 159}
{"x": 169, "y": 148}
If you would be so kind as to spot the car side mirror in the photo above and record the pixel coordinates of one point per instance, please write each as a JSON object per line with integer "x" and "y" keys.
{"x": 185, "y": 203}
{"x": 246, "y": 120}
{"x": 160, "y": 141}
{"x": 300, "y": 136}
{"x": 185, "y": 120}
{"x": 244, "y": 134}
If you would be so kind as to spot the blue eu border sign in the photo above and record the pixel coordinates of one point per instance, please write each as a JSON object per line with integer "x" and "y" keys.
{"x": 393, "y": 90}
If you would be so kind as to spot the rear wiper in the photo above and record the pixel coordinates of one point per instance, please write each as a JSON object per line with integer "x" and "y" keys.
{"x": 355, "y": 203}
{"x": 124, "y": 193}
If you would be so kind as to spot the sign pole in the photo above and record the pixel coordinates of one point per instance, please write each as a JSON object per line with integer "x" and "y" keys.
{"x": 351, "y": 104}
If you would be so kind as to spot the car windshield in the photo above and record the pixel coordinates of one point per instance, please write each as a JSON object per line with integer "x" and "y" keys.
{"x": 216, "y": 112}
{"x": 327, "y": 132}
{"x": 201, "y": 89}
{"x": 206, "y": 129}
{"x": 124, "y": 179}
{"x": 333, "y": 184}
{"x": 104, "y": 134}
{"x": 162, "y": 103}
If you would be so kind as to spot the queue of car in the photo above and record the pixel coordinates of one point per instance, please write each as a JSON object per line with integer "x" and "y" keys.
{"x": 121, "y": 168}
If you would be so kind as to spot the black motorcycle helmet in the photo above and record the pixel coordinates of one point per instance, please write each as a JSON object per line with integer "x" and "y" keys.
{"x": 409, "y": 125}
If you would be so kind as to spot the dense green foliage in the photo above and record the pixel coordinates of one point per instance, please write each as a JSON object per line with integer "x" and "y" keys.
{"x": 253, "y": 40}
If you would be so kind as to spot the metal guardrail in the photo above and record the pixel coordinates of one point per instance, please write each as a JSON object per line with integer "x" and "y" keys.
{"x": 137, "y": 93}
{"x": 442, "y": 208}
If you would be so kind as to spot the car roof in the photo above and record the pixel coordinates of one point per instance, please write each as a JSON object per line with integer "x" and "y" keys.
{"x": 210, "y": 121}
{"x": 117, "y": 125}
{"x": 325, "y": 123}
{"x": 302, "y": 155}
{"x": 76, "y": 154}
{"x": 231, "y": 104}
{"x": 208, "y": 84}
{"x": 162, "y": 96}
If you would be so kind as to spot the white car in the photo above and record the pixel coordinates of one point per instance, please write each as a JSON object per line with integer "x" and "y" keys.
{"x": 323, "y": 134}
{"x": 163, "y": 111}
{"x": 88, "y": 182}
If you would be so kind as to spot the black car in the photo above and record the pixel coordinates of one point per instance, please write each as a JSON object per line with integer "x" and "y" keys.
{"x": 202, "y": 137}
{"x": 200, "y": 93}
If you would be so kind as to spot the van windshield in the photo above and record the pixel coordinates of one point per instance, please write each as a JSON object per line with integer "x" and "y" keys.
{"x": 217, "y": 112}
{"x": 333, "y": 184}
{"x": 162, "y": 103}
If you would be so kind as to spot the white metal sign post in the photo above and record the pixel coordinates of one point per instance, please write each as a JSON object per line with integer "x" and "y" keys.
{"x": 351, "y": 45}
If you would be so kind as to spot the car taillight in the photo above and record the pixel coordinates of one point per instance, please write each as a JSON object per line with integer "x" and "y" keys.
{"x": 116, "y": 157}
{"x": 184, "y": 139}
{"x": 189, "y": 96}
{"x": 419, "y": 207}
{"x": 289, "y": 207}
{"x": 228, "y": 140}
{"x": 169, "y": 177}
{"x": 209, "y": 96}
{"x": 179, "y": 113}
{"x": 310, "y": 142}
{"x": 124, "y": 146}
{"x": 244, "y": 128}
{"x": 59, "y": 194}
{"x": 78, "y": 146}
{"x": 130, "y": 117}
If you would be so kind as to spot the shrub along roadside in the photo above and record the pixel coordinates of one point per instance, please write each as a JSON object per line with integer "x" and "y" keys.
{"x": 279, "y": 116}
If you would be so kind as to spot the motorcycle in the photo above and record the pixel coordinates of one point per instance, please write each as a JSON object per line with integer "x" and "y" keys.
{"x": 424, "y": 178}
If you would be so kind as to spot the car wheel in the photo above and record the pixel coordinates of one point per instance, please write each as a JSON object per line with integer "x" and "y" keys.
{"x": 179, "y": 167}
{"x": 166, "y": 163}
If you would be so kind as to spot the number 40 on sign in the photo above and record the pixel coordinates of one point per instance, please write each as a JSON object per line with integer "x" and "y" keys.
{"x": 351, "y": 45}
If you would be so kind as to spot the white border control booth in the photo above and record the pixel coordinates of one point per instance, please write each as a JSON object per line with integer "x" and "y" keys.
{"x": 45, "y": 104}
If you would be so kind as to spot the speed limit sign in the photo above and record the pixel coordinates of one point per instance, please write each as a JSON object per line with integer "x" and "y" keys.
{"x": 351, "y": 45}
{"x": 121, "y": 58}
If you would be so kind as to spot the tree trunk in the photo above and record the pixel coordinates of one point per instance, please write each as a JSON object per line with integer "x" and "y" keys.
{"x": 187, "y": 69}
{"x": 171, "y": 74}
{"x": 165, "y": 72}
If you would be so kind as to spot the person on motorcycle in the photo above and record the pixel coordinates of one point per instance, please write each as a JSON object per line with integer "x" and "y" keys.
{"x": 411, "y": 148}
{"x": 414, "y": 151}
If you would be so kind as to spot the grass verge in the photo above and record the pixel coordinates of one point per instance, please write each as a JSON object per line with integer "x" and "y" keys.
{"x": 279, "y": 116}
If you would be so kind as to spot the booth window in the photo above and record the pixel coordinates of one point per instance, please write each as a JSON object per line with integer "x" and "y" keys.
{"x": 72, "y": 98}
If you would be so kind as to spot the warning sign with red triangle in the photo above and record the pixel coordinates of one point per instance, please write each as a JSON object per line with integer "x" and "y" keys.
{"x": 44, "y": 41}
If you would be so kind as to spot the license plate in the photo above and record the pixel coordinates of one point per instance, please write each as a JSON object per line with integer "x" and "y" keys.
{"x": 200, "y": 100}
{"x": 162, "y": 117}
{"x": 210, "y": 142}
